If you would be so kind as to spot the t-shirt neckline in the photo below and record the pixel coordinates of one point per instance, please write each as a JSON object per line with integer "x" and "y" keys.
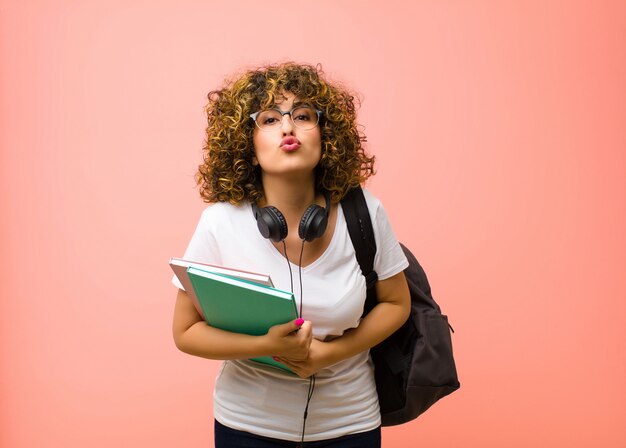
{"x": 339, "y": 221}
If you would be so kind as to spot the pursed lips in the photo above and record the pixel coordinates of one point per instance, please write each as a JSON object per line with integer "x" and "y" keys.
{"x": 289, "y": 144}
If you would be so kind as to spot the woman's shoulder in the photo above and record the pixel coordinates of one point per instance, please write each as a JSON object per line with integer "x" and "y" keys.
{"x": 370, "y": 198}
{"x": 378, "y": 213}
{"x": 219, "y": 211}
{"x": 373, "y": 203}
{"x": 224, "y": 208}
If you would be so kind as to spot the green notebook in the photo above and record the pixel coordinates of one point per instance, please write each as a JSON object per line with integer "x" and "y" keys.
{"x": 240, "y": 306}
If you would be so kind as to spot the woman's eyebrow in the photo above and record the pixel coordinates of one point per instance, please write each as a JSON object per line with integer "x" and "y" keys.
{"x": 294, "y": 104}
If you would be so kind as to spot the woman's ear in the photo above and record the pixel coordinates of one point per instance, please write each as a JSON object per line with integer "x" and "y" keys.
{"x": 255, "y": 162}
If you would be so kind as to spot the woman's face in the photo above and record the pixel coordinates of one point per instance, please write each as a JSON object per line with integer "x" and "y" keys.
{"x": 287, "y": 150}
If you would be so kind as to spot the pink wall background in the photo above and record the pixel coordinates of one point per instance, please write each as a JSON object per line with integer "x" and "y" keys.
{"x": 500, "y": 134}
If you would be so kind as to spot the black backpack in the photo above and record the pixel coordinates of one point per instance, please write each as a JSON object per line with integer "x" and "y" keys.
{"x": 414, "y": 367}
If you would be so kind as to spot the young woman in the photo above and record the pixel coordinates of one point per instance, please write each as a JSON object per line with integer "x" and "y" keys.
{"x": 282, "y": 150}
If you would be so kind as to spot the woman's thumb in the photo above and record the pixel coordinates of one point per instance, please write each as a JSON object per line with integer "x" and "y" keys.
{"x": 293, "y": 325}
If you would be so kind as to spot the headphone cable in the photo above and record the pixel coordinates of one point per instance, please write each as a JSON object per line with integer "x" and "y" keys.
{"x": 289, "y": 266}
{"x": 300, "y": 275}
{"x": 306, "y": 409}
{"x": 312, "y": 377}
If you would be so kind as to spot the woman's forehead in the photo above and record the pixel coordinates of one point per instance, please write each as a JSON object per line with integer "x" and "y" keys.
{"x": 285, "y": 101}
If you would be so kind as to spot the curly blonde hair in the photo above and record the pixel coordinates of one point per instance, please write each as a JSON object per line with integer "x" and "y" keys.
{"x": 227, "y": 173}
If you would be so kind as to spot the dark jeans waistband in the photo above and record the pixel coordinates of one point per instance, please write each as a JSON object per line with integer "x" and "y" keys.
{"x": 226, "y": 437}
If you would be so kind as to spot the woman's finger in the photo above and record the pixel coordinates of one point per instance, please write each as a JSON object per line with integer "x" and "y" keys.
{"x": 296, "y": 367}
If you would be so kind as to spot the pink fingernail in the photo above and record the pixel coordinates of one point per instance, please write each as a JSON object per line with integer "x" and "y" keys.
{"x": 299, "y": 321}
{"x": 274, "y": 358}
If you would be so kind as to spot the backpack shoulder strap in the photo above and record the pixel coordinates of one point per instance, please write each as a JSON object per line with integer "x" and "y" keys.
{"x": 362, "y": 235}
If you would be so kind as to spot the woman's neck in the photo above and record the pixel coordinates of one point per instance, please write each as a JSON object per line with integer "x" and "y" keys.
{"x": 290, "y": 196}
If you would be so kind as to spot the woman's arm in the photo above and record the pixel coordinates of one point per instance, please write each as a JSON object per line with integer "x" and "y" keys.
{"x": 192, "y": 335}
{"x": 392, "y": 310}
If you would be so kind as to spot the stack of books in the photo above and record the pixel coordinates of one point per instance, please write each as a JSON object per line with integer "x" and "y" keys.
{"x": 235, "y": 300}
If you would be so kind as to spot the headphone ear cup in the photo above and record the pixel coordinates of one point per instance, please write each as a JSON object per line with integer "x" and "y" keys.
{"x": 313, "y": 223}
{"x": 272, "y": 224}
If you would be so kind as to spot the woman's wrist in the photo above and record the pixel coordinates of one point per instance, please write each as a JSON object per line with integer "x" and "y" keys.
{"x": 263, "y": 345}
{"x": 327, "y": 352}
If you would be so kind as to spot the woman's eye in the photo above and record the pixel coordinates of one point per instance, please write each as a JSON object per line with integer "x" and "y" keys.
{"x": 302, "y": 116}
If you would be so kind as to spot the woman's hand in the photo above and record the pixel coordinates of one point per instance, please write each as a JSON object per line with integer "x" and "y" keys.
{"x": 291, "y": 340}
{"x": 320, "y": 356}
{"x": 192, "y": 335}
{"x": 392, "y": 310}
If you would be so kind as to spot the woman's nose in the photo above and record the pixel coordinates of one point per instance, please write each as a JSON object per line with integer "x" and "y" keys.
{"x": 287, "y": 124}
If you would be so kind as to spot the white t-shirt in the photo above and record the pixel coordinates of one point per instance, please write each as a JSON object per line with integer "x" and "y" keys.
{"x": 267, "y": 401}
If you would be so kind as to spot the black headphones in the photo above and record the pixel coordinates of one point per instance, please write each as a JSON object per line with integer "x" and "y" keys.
{"x": 273, "y": 225}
